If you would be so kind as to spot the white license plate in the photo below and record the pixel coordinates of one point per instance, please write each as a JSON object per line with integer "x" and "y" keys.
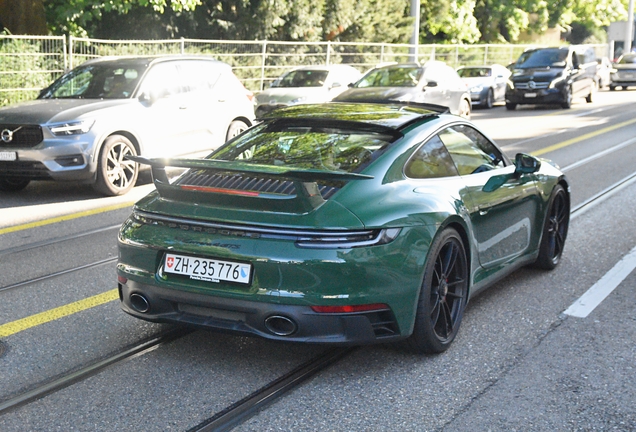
{"x": 8, "y": 156}
{"x": 530, "y": 95}
{"x": 211, "y": 270}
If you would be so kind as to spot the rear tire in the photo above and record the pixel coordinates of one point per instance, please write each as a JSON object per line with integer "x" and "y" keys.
{"x": 13, "y": 185}
{"x": 555, "y": 230}
{"x": 115, "y": 174}
{"x": 236, "y": 128}
{"x": 442, "y": 296}
{"x": 590, "y": 97}
{"x": 464, "y": 109}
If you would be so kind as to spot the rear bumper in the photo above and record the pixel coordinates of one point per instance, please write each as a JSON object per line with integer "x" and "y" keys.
{"x": 282, "y": 322}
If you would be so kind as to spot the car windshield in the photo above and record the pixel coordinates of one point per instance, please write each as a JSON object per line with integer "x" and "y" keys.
{"x": 403, "y": 76}
{"x": 627, "y": 59}
{"x": 474, "y": 72}
{"x": 302, "y": 78}
{"x": 96, "y": 81}
{"x": 544, "y": 58}
{"x": 306, "y": 146}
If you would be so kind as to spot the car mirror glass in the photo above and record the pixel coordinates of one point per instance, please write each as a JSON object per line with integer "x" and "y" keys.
{"x": 495, "y": 182}
{"x": 526, "y": 164}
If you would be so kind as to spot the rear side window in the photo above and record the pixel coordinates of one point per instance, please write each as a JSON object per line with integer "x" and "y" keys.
{"x": 470, "y": 150}
{"x": 431, "y": 160}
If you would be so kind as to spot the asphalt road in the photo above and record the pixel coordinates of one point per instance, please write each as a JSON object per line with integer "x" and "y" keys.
{"x": 520, "y": 363}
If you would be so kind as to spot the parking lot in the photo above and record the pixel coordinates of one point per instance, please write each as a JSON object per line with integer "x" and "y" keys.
{"x": 520, "y": 361}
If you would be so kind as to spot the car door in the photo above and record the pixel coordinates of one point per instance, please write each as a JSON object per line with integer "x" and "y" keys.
{"x": 165, "y": 120}
{"x": 436, "y": 89}
{"x": 503, "y": 206}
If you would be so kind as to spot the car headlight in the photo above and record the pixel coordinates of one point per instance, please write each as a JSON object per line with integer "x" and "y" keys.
{"x": 511, "y": 85}
{"x": 476, "y": 89}
{"x": 72, "y": 128}
{"x": 556, "y": 81}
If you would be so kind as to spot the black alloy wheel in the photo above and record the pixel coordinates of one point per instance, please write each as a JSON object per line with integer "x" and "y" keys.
{"x": 567, "y": 98}
{"x": 555, "y": 230}
{"x": 443, "y": 296}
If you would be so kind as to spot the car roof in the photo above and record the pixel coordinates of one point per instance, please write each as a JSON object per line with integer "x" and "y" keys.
{"x": 145, "y": 60}
{"x": 394, "y": 115}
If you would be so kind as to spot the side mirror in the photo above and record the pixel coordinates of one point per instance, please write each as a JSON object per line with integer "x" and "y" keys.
{"x": 526, "y": 164}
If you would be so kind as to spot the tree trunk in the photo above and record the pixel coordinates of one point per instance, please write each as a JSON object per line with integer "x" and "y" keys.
{"x": 23, "y": 17}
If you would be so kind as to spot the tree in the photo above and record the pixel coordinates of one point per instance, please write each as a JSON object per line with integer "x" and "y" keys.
{"x": 23, "y": 17}
{"x": 75, "y": 17}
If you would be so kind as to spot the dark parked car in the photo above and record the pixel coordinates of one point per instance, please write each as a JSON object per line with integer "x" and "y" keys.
{"x": 550, "y": 76}
{"x": 623, "y": 72}
{"x": 84, "y": 124}
{"x": 487, "y": 84}
{"x": 340, "y": 223}
{"x": 433, "y": 82}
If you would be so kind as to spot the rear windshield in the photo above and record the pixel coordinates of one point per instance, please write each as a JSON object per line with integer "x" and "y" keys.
{"x": 404, "y": 76}
{"x": 302, "y": 78}
{"x": 308, "y": 147}
{"x": 474, "y": 72}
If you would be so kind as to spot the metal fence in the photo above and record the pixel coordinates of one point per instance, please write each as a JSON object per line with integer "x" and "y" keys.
{"x": 29, "y": 63}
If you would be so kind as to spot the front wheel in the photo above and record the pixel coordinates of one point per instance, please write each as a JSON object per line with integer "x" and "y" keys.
{"x": 567, "y": 98}
{"x": 555, "y": 230}
{"x": 490, "y": 99}
{"x": 116, "y": 175}
{"x": 511, "y": 106}
{"x": 442, "y": 296}
{"x": 13, "y": 185}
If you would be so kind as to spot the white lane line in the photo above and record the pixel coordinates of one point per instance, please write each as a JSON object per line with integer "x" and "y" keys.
{"x": 604, "y": 287}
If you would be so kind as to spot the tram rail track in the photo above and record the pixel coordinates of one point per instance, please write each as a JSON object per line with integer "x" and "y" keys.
{"x": 243, "y": 409}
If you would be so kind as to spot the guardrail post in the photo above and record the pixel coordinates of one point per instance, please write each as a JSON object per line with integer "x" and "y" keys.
{"x": 182, "y": 46}
{"x": 263, "y": 59}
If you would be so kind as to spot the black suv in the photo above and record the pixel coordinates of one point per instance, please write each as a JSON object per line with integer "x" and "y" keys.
{"x": 550, "y": 76}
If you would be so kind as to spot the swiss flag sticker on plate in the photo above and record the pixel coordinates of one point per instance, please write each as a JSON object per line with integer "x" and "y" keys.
{"x": 170, "y": 262}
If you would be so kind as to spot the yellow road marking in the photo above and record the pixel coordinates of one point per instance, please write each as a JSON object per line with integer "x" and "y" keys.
{"x": 64, "y": 218}
{"x": 41, "y": 318}
{"x": 581, "y": 138}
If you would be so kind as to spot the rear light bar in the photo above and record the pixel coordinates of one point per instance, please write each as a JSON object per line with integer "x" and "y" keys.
{"x": 350, "y": 308}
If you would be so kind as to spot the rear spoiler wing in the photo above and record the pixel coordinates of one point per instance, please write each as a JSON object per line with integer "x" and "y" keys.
{"x": 307, "y": 196}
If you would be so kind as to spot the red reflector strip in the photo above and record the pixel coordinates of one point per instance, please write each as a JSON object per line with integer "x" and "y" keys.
{"x": 350, "y": 308}
{"x": 218, "y": 190}
{"x": 122, "y": 280}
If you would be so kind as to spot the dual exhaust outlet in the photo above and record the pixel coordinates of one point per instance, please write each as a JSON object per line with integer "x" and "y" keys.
{"x": 278, "y": 325}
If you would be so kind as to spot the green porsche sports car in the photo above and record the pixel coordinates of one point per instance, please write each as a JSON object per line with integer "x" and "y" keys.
{"x": 340, "y": 223}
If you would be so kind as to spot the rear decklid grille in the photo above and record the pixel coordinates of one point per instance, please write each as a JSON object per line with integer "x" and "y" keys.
{"x": 248, "y": 183}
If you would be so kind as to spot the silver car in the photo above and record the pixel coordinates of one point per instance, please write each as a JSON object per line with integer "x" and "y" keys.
{"x": 623, "y": 72}
{"x": 82, "y": 127}
{"x": 309, "y": 84}
{"x": 433, "y": 82}
{"x": 487, "y": 84}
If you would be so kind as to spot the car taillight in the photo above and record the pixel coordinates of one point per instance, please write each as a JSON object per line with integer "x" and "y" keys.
{"x": 350, "y": 308}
